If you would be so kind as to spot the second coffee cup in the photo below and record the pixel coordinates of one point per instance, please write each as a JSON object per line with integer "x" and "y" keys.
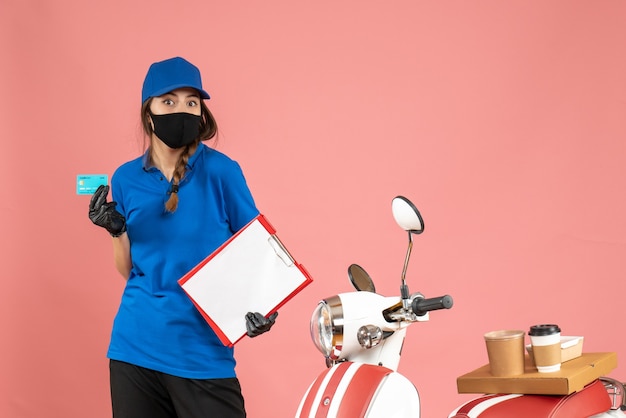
{"x": 546, "y": 343}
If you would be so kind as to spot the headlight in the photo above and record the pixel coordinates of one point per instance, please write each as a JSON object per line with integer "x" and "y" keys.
{"x": 327, "y": 327}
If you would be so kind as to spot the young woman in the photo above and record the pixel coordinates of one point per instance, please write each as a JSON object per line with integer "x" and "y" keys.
{"x": 171, "y": 208}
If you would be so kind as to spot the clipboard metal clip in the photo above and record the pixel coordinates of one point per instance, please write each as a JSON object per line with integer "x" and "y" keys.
{"x": 280, "y": 250}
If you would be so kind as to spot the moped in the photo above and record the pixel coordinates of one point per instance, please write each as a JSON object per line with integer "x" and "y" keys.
{"x": 361, "y": 335}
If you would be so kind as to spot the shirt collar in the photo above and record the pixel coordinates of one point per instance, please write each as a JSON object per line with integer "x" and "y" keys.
{"x": 147, "y": 163}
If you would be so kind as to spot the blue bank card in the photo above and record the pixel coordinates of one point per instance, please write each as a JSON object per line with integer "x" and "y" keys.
{"x": 88, "y": 183}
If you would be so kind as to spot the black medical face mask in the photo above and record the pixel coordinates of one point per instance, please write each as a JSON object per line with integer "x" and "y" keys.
{"x": 176, "y": 130}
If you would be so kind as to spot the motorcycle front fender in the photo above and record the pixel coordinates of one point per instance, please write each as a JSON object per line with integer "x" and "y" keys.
{"x": 355, "y": 390}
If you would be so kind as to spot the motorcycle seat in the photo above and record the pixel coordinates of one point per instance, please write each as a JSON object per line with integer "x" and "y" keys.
{"x": 592, "y": 399}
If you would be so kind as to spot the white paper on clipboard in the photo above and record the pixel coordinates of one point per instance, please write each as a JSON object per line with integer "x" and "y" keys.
{"x": 251, "y": 272}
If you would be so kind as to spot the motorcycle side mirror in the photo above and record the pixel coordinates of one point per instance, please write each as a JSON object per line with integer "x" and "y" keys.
{"x": 408, "y": 218}
{"x": 406, "y": 215}
{"x": 360, "y": 279}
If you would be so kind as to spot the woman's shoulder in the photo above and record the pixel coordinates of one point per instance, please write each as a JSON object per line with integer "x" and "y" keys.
{"x": 129, "y": 168}
{"x": 215, "y": 158}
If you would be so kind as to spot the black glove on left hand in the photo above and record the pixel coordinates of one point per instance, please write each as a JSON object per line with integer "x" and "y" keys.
{"x": 104, "y": 214}
{"x": 257, "y": 324}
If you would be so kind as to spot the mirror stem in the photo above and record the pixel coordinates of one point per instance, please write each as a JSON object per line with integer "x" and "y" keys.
{"x": 404, "y": 289}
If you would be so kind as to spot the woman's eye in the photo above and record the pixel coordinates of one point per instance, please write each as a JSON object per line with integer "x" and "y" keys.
{"x": 168, "y": 102}
{"x": 192, "y": 103}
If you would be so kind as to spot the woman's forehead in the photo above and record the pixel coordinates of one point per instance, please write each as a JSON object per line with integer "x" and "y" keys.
{"x": 183, "y": 92}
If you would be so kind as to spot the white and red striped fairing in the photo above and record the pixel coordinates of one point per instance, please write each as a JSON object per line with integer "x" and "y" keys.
{"x": 353, "y": 390}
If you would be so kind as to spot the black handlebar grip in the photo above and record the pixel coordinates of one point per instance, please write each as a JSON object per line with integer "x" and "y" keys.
{"x": 422, "y": 306}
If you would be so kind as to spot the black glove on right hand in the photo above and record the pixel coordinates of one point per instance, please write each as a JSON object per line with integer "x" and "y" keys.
{"x": 257, "y": 324}
{"x": 104, "y": 214}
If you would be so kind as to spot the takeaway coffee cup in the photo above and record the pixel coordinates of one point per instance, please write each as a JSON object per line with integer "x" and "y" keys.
{"x": 505, "y": 349}
{"x": 546, "y": 342}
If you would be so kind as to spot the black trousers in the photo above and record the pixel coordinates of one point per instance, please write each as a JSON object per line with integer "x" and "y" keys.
{"x": 137, "y": 392}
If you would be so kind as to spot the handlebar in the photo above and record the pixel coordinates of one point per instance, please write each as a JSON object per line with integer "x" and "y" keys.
{"x": 422, "y": 306}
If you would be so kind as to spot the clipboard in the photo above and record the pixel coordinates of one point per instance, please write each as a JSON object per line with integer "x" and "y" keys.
{"x": 251, "y": 272}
